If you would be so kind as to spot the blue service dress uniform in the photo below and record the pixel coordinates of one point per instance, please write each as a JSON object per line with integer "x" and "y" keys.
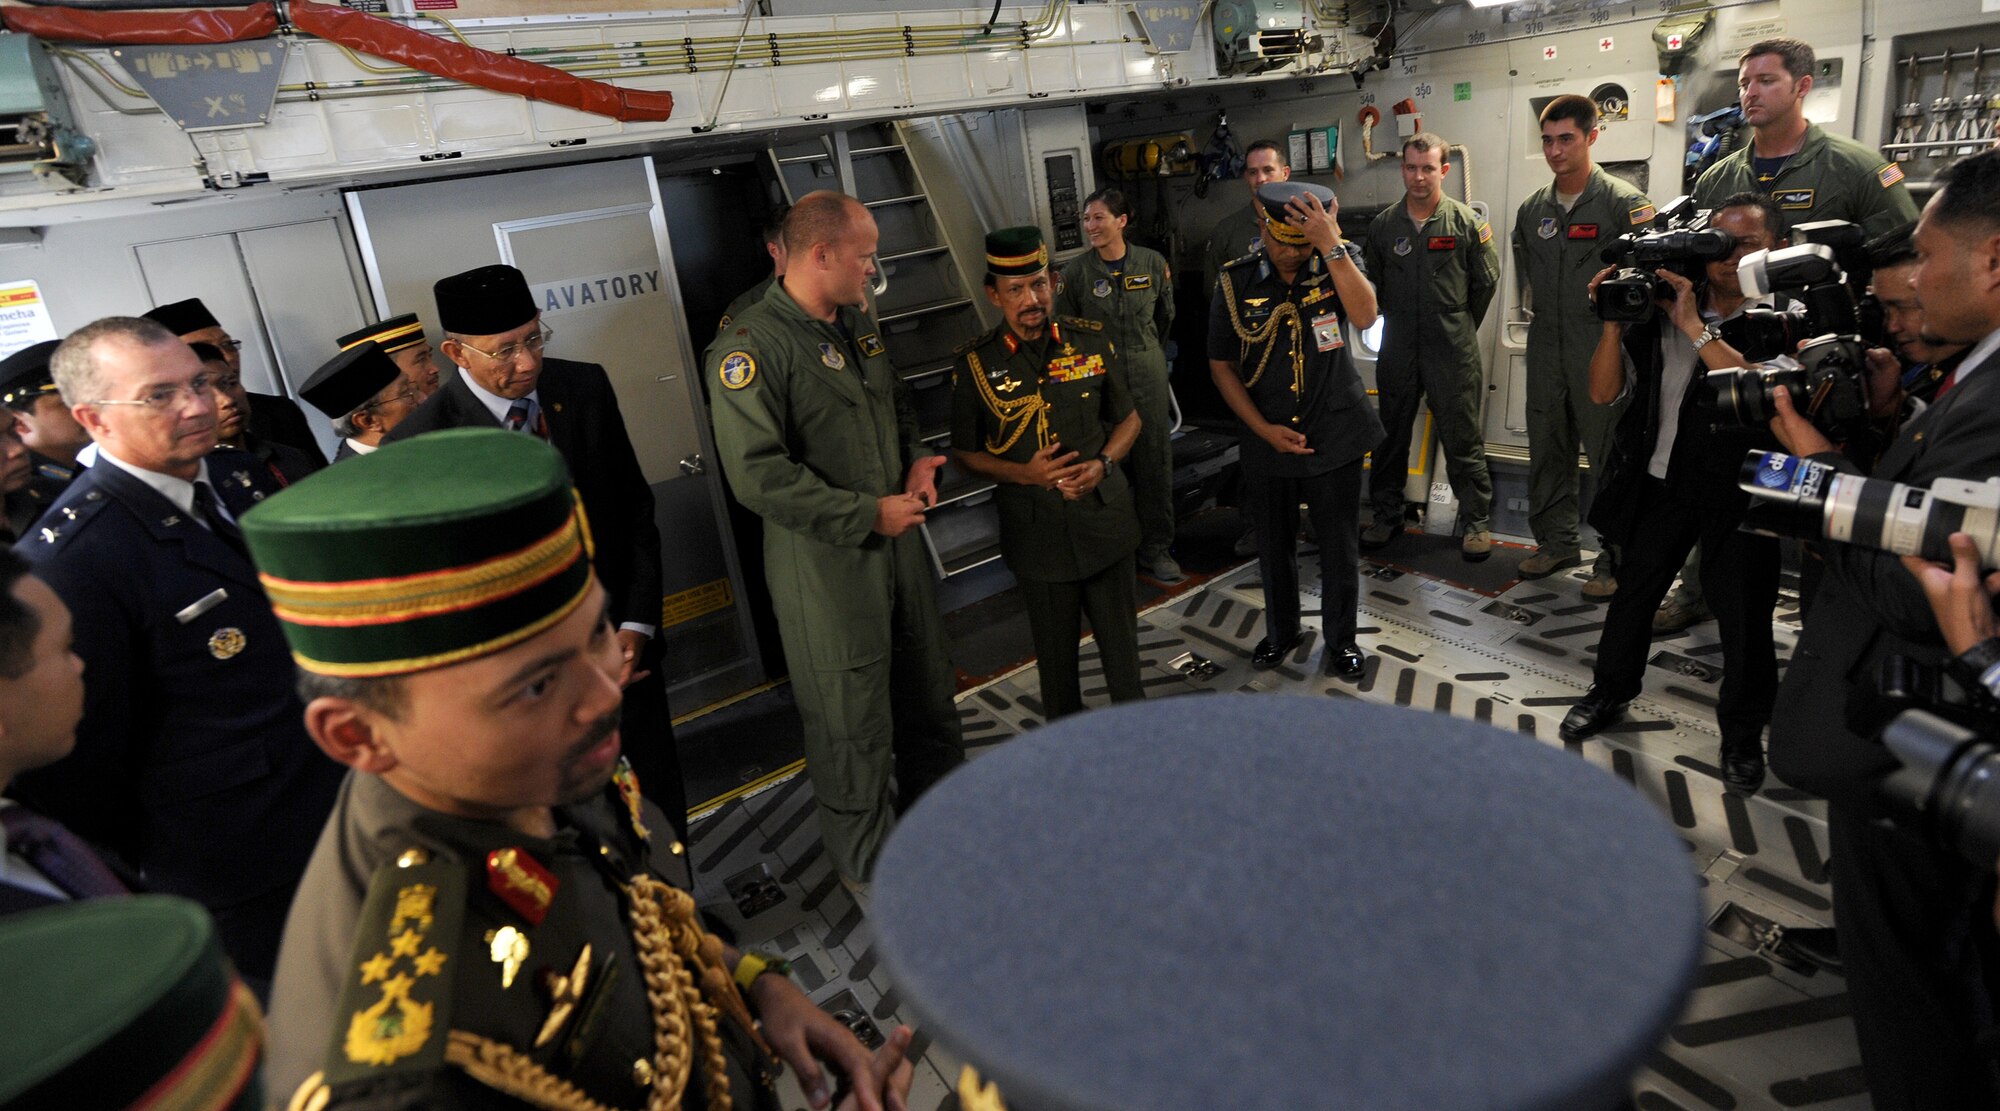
{"x": 192, "y": 760}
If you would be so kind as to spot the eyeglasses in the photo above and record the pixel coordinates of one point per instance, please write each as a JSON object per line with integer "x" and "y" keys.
{"x": 533, "y": 344}
{"x": 399, "y": 395}
{"x": 160, "y": 399}
{"x": 229, "y": 345}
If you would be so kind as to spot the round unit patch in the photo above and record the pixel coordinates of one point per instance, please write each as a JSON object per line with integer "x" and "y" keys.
{"x": 738, "y": 369}
{"x": 227, "y": 642}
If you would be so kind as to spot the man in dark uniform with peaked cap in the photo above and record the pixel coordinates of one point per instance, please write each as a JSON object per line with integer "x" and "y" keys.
{"x": 494, "y": 336}
{"x": 1278, "y": 358}
{"x": 192, "y": 761}
{"x": 49, "y": 430}
{"x": 1042, "y": 407}
{"x": 494, "y": 915}
{"x": 272, "y": 417}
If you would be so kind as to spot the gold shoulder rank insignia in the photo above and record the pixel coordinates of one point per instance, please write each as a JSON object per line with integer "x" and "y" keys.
{"x": 1084, "y": 323}
{"x": 396, "y": 1004}
{"x": 975, "y": 1094}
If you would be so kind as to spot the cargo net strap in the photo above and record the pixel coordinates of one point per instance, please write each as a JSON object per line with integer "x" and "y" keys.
{"x": 360, "y": 31}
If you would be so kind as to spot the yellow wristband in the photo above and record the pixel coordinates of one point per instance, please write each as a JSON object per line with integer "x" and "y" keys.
{"x": 753, "y": 965}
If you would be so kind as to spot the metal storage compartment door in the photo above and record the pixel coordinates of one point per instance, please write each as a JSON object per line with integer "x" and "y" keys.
{"x": 592, "y": 241}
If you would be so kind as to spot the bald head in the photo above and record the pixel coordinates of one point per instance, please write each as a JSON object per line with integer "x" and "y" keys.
{"x": 830, "y": 244}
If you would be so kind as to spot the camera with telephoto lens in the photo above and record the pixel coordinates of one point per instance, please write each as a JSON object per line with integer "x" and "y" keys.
{"x": 1685, "y": 246}
{"x": 1795, "y": 497}
{"x": 1827, "y": 375}
{"x": 1949, "y": 784}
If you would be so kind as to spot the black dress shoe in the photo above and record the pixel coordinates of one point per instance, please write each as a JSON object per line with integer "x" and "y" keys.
{"x": 1818, "y": 944}
{"x": 1743, "y": 767}
{"x": 1591, "y": 715}
{"x": 1268, "y": 655}
{"x": 1344, "y": 662}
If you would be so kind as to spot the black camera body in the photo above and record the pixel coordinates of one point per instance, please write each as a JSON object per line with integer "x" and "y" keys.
{"x": 1948, "y": 787}
{"x": 1685, "y": 245}
{"x": 1827, "y": 377}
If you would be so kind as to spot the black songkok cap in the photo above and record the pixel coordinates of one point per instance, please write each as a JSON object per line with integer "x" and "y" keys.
{"x": 484, "y": 302}
{"x": 350, "y": 379}
{"x": 183, "y": 317}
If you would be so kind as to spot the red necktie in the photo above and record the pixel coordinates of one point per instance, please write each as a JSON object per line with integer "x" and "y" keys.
{"x": 59, "y": 854}
{"x": 1945, "y": 386}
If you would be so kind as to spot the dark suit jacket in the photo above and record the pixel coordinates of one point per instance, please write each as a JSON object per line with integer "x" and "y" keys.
{"x": 344, "y": 450}
{"x": 587, "y": 428}
{"x": 280, "y": 419}
{"x": 1869, "y": 607}
{"x": 285, "y": 463}
{"x": 192, "y": 760}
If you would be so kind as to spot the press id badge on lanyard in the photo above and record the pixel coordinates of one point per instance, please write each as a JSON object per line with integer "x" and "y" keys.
{"x": 1326, "y": 332}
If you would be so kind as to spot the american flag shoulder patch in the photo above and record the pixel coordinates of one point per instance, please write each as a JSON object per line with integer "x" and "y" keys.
{"x": 1889, "y": 175}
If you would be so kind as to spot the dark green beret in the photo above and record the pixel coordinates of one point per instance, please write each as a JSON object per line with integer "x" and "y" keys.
{"x": 438, "y": 549}
{"x": 125, "y": 1002}
{"x": 393, "y": 334}
{"x": 24, "y": 375}
{"x": 1013, "y": 252}
{"x": 350, "y": 379}
{"x": 484, "y": 302}
{"x": 183, "y": 317}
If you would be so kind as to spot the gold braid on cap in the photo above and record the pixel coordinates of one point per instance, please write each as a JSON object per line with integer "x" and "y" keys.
{"x": 1287, "y": 313}
{"x": 1017, "y": 412}
{"x": 687, "y": 986}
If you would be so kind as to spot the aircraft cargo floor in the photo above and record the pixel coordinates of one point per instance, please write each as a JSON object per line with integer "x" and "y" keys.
{"x": 1755, "y": 1034}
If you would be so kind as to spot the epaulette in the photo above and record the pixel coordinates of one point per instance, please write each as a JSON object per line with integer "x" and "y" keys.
{"x": 395, "y": 1006}
{"x": 1082, "y": 322}
{"x": 64, "y": 520}
{"x": 979, "y": 340}
{"x": 1249, "y": 257}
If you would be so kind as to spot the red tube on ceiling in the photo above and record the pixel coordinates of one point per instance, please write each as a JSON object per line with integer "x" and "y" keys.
{"x": 393, "y": 42}
{"x": 143, "y": 28}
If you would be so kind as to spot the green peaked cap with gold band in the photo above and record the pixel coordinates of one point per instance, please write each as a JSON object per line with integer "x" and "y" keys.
{"x": 1013, "y": 252}
{"x": 442, "y": 548}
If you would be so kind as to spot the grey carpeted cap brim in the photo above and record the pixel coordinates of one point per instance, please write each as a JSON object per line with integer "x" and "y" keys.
{"x": 1278, "y": 902}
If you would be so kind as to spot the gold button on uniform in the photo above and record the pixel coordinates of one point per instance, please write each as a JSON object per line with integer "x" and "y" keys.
{"x": 411, "y": 858}
{"x": 642, "y": 1073}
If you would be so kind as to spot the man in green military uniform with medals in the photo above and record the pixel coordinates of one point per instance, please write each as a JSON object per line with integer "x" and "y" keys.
{"x": 1041, "y": 407}
{"x": 1278, "y": 358}
{"x": 817, "y": 435}
{"x": 1129, "y": 291}
{"x": 494, "y": 915}
{"x": 1811, "y": 174}
{"x": 1435, "y": 268}
{"x": 1559, "y": 233}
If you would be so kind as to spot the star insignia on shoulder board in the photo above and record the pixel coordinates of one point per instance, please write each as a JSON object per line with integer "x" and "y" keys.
{"x": 69, "y": 513}
{"x": 170, "y": 521}
{"x": 241, "y": 478}
{"x": 49, "y": 535}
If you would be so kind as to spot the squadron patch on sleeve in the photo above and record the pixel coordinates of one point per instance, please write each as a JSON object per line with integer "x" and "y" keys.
{"x": 738, "y": 370}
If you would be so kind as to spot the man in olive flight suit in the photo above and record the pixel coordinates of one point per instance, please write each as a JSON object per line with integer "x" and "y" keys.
{"x": 1435, "y": 268}
{"x": 1278, "y": 358}
{"x": 1041, "y": 407}
{"x": 817, "y": 436}
{"x": 1811, "y": 174}
{"x": 1559, "y": 233}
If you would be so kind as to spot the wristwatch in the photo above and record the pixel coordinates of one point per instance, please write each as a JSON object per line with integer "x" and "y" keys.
{"x": 1978, "y": 668}
{"x": 1105, "y": 459}
{"x": 1709, "y": 334}
{"x": 754, "y": 964}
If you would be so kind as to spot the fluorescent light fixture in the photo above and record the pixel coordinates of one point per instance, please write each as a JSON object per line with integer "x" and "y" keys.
{"x": 1490, "y": 3}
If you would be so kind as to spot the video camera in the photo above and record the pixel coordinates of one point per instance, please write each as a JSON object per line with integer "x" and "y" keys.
{"x": 1828, "y": 375}
{"x": 1685, "y": 246}
{"x": 1949, "y": 784}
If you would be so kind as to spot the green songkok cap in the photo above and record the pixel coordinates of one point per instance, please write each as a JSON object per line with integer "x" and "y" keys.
{"x": 438, "y": 549}
{"x": 125, "y": 1002}
{"x": 1012, "y": 252}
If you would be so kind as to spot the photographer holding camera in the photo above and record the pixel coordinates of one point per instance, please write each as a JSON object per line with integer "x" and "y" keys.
{"x": 1912, "y": 933}
{"x": 1672, "y": 481}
